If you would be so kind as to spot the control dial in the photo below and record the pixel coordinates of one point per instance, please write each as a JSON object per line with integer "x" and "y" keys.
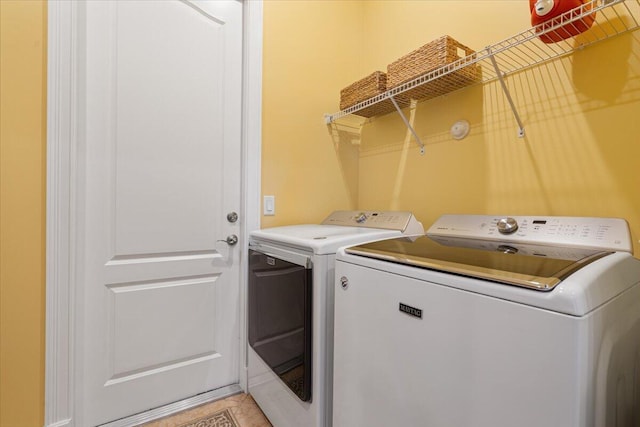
{"x": 361, "y": 217}
{"x": 507, "y": 225}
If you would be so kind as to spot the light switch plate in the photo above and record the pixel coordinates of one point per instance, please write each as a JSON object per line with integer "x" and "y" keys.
{"x": 269, "y": 205}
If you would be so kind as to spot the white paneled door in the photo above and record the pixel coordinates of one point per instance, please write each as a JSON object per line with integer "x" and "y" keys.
{"x": 160, "y": 105}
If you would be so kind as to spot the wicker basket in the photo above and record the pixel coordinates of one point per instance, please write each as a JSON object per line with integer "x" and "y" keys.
{"x": 430, "y": 57}
{"x": 368, "y": 87}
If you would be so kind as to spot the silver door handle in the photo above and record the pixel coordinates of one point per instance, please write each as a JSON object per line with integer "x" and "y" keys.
{"x": 231, "y": 240}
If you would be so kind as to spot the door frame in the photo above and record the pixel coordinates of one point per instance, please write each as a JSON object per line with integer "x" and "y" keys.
{"x": 63, "y": 149}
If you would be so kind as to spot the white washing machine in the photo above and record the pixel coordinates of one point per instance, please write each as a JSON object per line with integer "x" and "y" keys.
{"x": 290, "y": 310}
{"x": 490, "y": 322}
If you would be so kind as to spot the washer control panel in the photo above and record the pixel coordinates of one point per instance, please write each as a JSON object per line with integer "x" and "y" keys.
{"x": 388, "y": 220}
{"x": 583, "y": 232}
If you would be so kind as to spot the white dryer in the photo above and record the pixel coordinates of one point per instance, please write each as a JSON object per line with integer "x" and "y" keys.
{"x": 490, "y": 322}
{"x": 290, "y": 310}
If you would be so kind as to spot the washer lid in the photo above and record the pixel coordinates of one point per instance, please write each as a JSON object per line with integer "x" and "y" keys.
{"x": 342, "y": 228}
{"x": 531, "y": 266}
{"x": 320, "y": 239}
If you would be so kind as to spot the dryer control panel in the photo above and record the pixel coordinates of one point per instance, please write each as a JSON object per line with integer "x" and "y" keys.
{"x": 387, "y": 220}
{"x": 581, "y": 232}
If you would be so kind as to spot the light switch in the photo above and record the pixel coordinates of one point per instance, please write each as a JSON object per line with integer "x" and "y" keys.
{"x": 269, "y": 205}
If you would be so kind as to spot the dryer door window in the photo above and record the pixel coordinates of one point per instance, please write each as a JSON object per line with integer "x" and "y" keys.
{"x": 280, "y": 318}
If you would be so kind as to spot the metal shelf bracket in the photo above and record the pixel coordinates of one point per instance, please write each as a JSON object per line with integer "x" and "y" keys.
{"x": 406, "y": 122}
{"x": 500, "y": 76}
{"x": 520, "y": 52}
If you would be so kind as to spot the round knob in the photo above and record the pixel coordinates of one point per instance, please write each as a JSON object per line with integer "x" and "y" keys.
{"x": 507, "y": 225}
{"x": 232, "y": 217}
{"x": 361, "y": 218}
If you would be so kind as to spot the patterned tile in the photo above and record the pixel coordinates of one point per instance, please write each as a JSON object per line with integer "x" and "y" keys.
{"x": 249, "y": 414}
{"x": 241, "y": 409}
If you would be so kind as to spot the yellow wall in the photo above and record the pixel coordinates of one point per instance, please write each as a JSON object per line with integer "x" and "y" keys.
{"x": 309, "y": 46}
{"x": 579, "y": 156}
{"x": 22, "y": 212}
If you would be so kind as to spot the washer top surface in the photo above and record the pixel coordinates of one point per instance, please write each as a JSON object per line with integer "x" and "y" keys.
{"x": 320, "y": 239}
{"x": 580, "y": 262}
{"x": 341, "y": 228}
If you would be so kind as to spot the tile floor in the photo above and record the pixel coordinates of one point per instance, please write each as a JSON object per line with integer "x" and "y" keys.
{"x": 242, "y": 406}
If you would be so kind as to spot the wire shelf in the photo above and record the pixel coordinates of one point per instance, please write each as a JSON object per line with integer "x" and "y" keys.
{"x": 525, "y": 49}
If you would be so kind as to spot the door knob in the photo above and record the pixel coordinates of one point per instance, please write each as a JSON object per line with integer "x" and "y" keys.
{"x": 231, "y": 240}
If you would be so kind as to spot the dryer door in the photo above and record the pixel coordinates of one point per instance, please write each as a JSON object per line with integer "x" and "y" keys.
{"x": 280, "y": 316}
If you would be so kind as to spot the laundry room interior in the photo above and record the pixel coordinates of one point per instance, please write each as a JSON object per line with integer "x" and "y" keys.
{"x": 574, "y": 154}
